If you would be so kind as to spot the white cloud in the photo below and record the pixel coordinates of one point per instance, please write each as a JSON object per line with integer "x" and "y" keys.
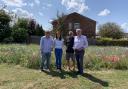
{"x": 17, "y": 3}
{"x": 31, "y": 4}
{"x": 6, "y": 10}
{"x": 22, "y": 13}
{"x": 41, "y": 14}
{"x": 105, "y": 12}
{"x": 75, "y": 5}
{"x": 125, "y": 27}
{"x": 37, "y": 1}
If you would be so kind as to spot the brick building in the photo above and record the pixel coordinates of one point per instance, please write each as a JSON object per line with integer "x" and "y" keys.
{"x": 75, "y": 20}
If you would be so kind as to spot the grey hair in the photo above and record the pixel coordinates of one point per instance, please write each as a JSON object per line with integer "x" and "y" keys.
{"x": 78, "y": 30}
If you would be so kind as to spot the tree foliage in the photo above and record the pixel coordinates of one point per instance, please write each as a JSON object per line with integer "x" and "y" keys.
{"x": 39, "y": 30}
{"x": 110, "y": 30}
{"x": 19, "y": 35}
{"x": 4, "y": 25}
{"x": 60, "y": 24}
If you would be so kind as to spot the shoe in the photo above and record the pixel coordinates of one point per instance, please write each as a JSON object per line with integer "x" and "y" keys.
{"x": 41, "y": 70}
{"x": 58, "y": 70}
{"x": 48, "y": 70}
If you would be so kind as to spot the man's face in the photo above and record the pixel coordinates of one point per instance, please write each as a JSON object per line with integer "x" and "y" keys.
{"x": 78, "y": 32}
{"x": 47, "y": 34}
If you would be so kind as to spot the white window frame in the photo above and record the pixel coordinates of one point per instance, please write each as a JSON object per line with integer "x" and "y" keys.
{"x": 76, "y": 26}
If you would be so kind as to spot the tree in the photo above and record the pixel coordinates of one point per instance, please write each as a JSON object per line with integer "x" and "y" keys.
{"x": 39, "y": 30}
{"x": 5, "y": 30}
{"x": 110, "y": 30}
{"x": 60, "y": 24}
{"x": 19, "y": 35}
{"x": 32, "y": 27}
{"x": 20, "y": 30}
{"x": 22, "y": 23}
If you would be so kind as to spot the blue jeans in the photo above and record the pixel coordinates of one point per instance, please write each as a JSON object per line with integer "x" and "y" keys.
{"x": 58, "y": 55}
{"x": 79, "y": 58}
{"x": 45, "y": 61}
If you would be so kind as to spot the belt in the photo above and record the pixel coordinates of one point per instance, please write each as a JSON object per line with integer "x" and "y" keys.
{"x": 79, "y": 50}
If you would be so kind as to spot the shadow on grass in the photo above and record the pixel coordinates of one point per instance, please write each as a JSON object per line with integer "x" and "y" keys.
{"x": 62, "y": 74}
{"x": 96, "y": 80}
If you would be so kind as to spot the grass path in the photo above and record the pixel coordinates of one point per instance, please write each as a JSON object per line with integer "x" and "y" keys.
{"x": 16, "y": 77}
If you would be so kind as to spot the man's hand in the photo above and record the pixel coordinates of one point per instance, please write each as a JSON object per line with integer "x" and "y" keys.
{"x": 80, "y": 49}
{"x": 51, "y": 49}
{"x": 41, "y": 52}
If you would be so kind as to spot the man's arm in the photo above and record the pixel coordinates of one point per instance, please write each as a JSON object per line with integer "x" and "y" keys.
{"x": 52, "y": 46}
{"x": 85, "y": 45}
{"x": 85, "y": 42}
{"x": 41, "y": 45}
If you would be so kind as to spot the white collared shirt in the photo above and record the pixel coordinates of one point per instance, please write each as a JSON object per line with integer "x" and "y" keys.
{"x": 80, "y": 42}
{"x": 58, "y": 43}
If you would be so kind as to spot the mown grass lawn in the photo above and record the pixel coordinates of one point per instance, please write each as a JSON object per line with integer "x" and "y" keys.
{"x": 16, "y": 77}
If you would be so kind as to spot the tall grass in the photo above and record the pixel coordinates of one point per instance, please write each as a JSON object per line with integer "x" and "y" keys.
{"x": 95, "y": 57}
{"x": 106, "y": 57}
{"x": 25, "y": 55}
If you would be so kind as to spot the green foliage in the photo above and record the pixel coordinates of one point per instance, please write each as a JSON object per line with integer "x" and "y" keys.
{"x": 8, "y": 40}
{"x": 60, "y": 24}
{"x": 20, "y": 30}
{"x": 22, "y": 23}
{"x": 111, "y": 42}
{"x": 32, "y": 27}
{"x": 19, "y": 35}
{"x": 4, "y": 25}
{"x": 39, "y": 30}
{"x": 110, "y": 30}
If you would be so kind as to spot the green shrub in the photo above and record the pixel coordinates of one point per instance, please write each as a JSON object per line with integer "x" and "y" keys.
{"x": 19, "y": 35}
{"x": 111, "y": 30}
{"x": 111, "y": 42}
{"x": 8, "y": 40}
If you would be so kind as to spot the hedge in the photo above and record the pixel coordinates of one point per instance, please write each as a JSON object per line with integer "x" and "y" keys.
{"x": 111, "y": 42}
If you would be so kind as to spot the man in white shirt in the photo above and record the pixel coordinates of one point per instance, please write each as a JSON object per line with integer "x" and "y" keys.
{"x": 80, "y": 43}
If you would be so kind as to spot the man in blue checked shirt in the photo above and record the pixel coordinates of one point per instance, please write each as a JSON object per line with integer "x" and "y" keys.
{"x": 46, "y": 46}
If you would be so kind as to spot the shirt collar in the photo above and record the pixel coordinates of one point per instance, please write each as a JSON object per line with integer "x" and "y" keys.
{"x": 79, "y": 36}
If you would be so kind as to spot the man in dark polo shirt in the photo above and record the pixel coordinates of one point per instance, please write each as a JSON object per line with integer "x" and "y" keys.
{"x": 70, "y": 51}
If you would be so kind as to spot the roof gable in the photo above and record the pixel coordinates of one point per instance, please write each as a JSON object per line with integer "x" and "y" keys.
{"x": 75, "y": 14}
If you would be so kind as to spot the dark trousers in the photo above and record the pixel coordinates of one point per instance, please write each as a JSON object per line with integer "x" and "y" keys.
{"x": 58, "y": 55}
{"x": 79, "y": 58}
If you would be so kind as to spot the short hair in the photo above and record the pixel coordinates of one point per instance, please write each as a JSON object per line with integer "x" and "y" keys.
{"x": 47, "y": 31}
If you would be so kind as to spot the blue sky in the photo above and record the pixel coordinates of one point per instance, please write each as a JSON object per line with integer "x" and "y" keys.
{"x": 43, "y": 11}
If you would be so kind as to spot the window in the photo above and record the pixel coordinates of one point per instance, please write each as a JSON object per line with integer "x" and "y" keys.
{"x": 76, "y": 25}
{"x": 70, "y": 26}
